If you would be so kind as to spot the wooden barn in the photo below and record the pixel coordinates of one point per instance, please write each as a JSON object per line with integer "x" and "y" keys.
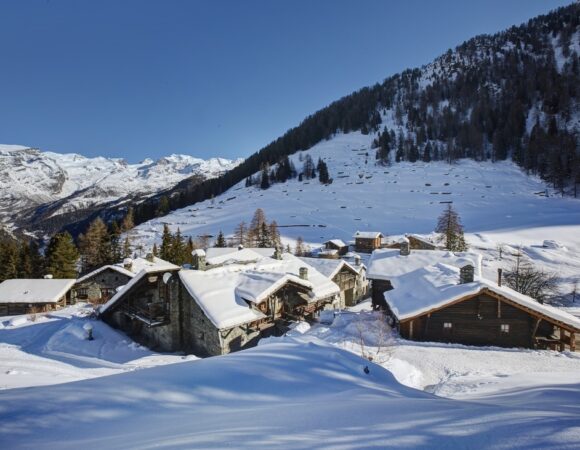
{"x": 367, "y": 241}
{"x": 415, "y": 243}
{"x": 26, "y": 296}
{"x": 337, "y": 245}
{"x": 385, "y": 264}
{"x": 444, "y": 304}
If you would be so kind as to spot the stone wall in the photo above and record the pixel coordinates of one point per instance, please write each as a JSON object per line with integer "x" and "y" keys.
{"x": 106, "y": 279}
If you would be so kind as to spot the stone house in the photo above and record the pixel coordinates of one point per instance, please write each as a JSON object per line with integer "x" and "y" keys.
{"x": 26, "y": 296}
{"x": 144, "y": 308}
{"x": 445, "y": 304}
{"x": 415, "y": 242}
{"x": 220, "y": 308}
{"x": 337, "y": 245}
{"x": 367, "y": 241}
{"x": 385, "y": 264}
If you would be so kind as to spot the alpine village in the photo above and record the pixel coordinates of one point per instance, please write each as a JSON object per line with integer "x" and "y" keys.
{"x": 408, "y": 256}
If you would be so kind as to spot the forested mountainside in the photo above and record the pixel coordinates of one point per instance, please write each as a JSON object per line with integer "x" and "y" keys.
{"x": 513, "y": 94}
{"x": 43, "y": 191}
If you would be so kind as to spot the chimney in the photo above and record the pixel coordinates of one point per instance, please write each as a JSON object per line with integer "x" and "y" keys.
{"x": 277, "y": 252}
{"x": 499, "y": 272}
{"x": 198, "y": 259}
{"x": 150, "y": 257}
{"x": 240, "y": 247}
{"x": 128, "y": 263}
{"x": 466, "y": 274}
{"x": 357, "y": 260}
{"x": 405, "y": 248}
{"x": 303, "y": 271}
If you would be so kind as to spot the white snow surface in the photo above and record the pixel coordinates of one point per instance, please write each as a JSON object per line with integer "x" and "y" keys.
{"x": 497, "y": 202}
{"x": 34, "y": 290}
{"x": 432, "y": 287}
{"x": 388, "y": 263}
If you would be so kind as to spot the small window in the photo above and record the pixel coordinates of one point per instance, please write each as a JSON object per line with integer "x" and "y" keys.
{"x": 505, "y": 328}
{"x": 447, "y": 325}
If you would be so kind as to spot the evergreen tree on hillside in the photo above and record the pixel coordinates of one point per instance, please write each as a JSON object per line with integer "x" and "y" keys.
{"x": 166, "y": 243}
{"x": 95, "y": 246}
{"x": 256, "y": 227}
{"x": 221, "y": 240}
{"x": 451, "y": 230}
{"x": 129, "y": 220}
{"x": 62, "y": 256}
{"x": 8, "y": 260}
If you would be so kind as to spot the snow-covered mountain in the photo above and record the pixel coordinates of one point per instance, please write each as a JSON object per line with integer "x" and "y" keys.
{"x": 34, "y": 182}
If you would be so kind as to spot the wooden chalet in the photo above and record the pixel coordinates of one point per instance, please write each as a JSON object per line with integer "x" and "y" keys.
{"x": 367, "y": 241}
{"x": 337, "y": 245}
{"x": 29, "y": 296}
{"x": 415, "y": 243}
{"x": 444, "y": 304}
{"x": 386, "y": 264}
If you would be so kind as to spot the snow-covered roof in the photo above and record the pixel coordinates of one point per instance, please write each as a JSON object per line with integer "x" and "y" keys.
{"x": 336, "y": 242}
{"x": 214, "y": 291}
{"x": 432, "y": 287}
{"x": 158, "y": 265}
{"x": 368, "y": 234}
{"x": 115, "y": 267}
{"x": 217, "y": 256}
{"x": 223, "y": 292}
{"x": 385, "y": 264}
{"x": 329, "y": 267}
{"x": 198, "y": 252}
{"x": 34, "y": 290}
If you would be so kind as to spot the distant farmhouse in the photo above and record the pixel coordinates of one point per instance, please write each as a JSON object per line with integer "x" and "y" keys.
{"x": 26, "y": 296}
{"x": 368, "y": 241}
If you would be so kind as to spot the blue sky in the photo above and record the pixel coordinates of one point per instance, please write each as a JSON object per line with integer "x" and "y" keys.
{"x": 137, "y": 78}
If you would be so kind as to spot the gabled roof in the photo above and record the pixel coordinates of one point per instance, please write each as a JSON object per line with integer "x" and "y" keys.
{"x": 217, "y": 256}
{"x": 158, "y": 266}
{"x": 224, "y": 293}
{"x": 385, "y": 264}
{"x": 34, "y": 290}
{"x": 336, "y": 242}
{"x": 114, "y": 267}
{"x": 329, "y": 267}
{"x": 368, "y": 234}
{"x": 435, "y": 287}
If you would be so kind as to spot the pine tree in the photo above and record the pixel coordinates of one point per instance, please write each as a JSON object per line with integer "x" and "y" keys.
{"x": 265, "y": 183}
{"x": 254, "y": 233}
{"x": 177, "y": 249}
{"x": 166, "y": 239}
{"x": 449, "y": 225}
{"x": 94, "y": 246}
{"x": 275, "y": 239}
{"x": 25, "y": 268}
{"x": 8, "y": 260}
{"x": 126, "y": 253}
{"x": 221, "y": 240}
{"x": 116, "y": 250}
{"x": 62, "y": 256}
{"x": 155, "y": 250}
{"x": 264, "y": 237}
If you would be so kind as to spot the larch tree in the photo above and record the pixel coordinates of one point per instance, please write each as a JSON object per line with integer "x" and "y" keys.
{"x": 451, "y": 230}
{"x": 241, "y": 233}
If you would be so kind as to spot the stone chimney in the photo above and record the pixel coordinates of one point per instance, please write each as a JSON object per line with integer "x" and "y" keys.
{"x": 128, "y": 263}
{"x": 198, "y": 259}
{"x": 277, "y": 252}
{"x": 240, "y": 247}
{"x": 466, "y": 274}
{"x": 303, "y": 271}
{"x": 499, "y": 272}
{"x": 150, "y": 257}
{"x": 357, "y": 260}
{"x": 405, "y": 248}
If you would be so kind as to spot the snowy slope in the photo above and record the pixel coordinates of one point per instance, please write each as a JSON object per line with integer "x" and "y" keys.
{"x": 497, "y": 202}
{"x": 286, "y": 394}
{"x": 30, "y": 178}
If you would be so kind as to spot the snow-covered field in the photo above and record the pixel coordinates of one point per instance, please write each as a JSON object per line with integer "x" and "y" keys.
{"x": 497, "y": 202}
{"x": 52, "y": 348}
{"x": 307, "y": 390}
